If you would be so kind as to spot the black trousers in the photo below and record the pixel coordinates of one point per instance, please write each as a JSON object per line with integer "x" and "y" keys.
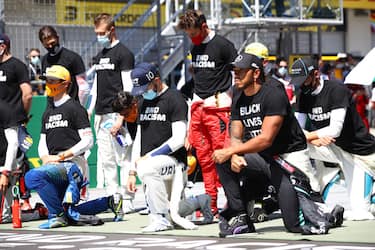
{"x": 255, "y": 178}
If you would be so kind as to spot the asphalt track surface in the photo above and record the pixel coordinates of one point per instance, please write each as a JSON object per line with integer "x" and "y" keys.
{"x": 271, "y": 235}
{"x": 22, "y": 240}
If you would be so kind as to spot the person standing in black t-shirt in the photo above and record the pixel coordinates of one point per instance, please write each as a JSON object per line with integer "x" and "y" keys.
{"x": 264, "y": 132}
{"x": 112, "y": 66}
{"x": 59, "y": 55}
{"x": 337, "y": 133}
{"x": 208, "y": 128}
{"x": 15, "y": 102}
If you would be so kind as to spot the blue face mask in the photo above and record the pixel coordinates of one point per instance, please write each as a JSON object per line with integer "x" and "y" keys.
{"x": 104, "y": 41}
{"x": 149, "y": 94}
{"x": 35, "y": 60}
{"x": 282, "y": 71}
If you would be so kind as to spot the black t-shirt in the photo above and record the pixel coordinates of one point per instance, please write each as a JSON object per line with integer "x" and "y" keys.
{"x": 211, "y": 66}
{"x": 354, "y": 137}
{"x": 72, "y": 62}
{"x": 269, "y": 101}
{"x": 13, "y": 72}
{"x": 156, "y": 117}
{"x": 109, "y": 64}
{"x": 61, "y": 125}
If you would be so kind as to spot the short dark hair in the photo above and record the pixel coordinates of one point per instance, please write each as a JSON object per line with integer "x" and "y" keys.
{"x": 47, "y": 31}
{"x": 280, "y": 59}
{"x": 123, "y": 101}
{"x": 191, "y": 19}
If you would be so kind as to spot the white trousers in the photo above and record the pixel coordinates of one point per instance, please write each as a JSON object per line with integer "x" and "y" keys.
{"x": 301, "y": 160}
{"x": 355, "y": 169}
{"x": 156, "y": 174}
{"x": 110, "y": 155}
{"x": 164, "y": 180}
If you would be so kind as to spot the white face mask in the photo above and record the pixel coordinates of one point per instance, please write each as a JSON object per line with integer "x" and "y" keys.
{"x": 104, "y": 41}
{"x": 35, "y": 60}
{"x": 282, "y": 71}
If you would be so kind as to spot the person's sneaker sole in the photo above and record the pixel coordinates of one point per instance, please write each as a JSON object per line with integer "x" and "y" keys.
{"x": 87, "y": 220}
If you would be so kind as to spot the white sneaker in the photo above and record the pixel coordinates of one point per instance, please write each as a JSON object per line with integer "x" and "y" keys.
{"x": 358, "y": 215}
{"x": 158, "y": 223}
{"x": 145, "y": 211}
{"x": 128, "y": 207}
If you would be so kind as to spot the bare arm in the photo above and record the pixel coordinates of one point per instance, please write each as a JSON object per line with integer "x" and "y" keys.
{"x": 236, "y": 133}
{"x": 26, "y": 96}
{"x": 270, "y": 128}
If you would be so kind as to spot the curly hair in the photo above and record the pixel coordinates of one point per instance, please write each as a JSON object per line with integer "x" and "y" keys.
{"x": 191, "y": 19}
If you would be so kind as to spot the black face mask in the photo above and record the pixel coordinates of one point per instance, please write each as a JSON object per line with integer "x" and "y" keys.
{"x": 54, "y": 50}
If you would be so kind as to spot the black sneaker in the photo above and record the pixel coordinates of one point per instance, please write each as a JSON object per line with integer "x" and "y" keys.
{"x": 237, "y": 225}
{"x": 338, "y": 214}
{"x": 115, "y": 204}
{"x": 259, "y": 215}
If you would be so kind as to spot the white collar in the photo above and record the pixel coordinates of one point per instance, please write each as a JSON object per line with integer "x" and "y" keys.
{"x": 319, "y": 88}
{"x": 209, "y": 37}
{"x": 115, "y": 42}
{"x": 165, "y": 87}
{"x": 63, "y": 100}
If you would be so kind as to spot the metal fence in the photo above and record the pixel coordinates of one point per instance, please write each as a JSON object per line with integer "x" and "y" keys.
{"x": 73, "y": 21}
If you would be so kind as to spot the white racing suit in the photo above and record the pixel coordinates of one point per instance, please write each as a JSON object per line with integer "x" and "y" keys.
{"x": 164, "y": 180}
{"x": 110, "y": 155}
{"x": 359, "y": 177}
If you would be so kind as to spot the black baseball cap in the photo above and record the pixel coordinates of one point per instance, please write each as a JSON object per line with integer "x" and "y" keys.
{"x": 141, "y": 76}
{"x": 4, "y": 39}
{"x": 301, "y": 69}
{"x": 247, "y": 61}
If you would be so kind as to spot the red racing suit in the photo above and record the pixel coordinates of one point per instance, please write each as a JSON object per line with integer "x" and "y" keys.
{"x": 208, "y": 131}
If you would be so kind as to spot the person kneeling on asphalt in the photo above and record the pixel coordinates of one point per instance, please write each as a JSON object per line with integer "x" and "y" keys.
{"x": 159, "y": 157}
{"x": 127, "y": 105}
{"x": 265, "y": 141}
{"x": 65, "y": 136}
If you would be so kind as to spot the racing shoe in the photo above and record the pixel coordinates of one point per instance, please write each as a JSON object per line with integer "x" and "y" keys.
{"x": 239, "y": 224}
{"x": 158, "y": 223}
{"x": 87, "y": 220}
{"x": 259, "y": 215}
{"x": 58, "y": 221}
{"x": 338, "y": 215}
{"x": 309, "y": 229}
{"x": 115, "y": 203}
